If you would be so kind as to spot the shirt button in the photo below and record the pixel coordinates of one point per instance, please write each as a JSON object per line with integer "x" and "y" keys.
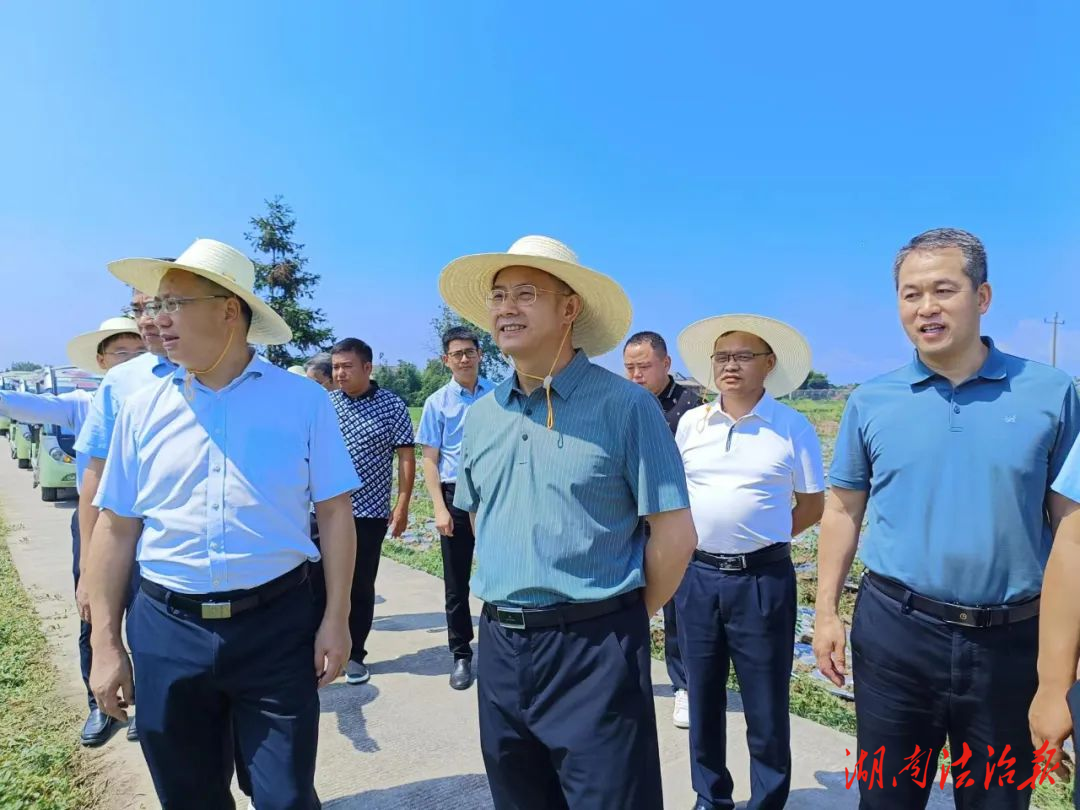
{"x": 528, "y": 411}
{"x": 217, "y": 468}
{"x": 956, "y": 409}
{"x": 216, "y": 582}
{"x": 215, "y": 507}
{"x": 524, "y": 437}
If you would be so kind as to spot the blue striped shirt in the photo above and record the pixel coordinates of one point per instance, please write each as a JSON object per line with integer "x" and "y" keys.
{"x": 559, "y": 512}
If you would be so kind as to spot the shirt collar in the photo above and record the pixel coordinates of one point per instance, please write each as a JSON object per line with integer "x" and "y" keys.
{"x": 562, "y": 383}
{"x": 671, "y": 390}
{"x": 255, "y": 368}
{"x": 765, "y": 409}
{"x": 373, "y": 389}
{"x": 993, "y": 367}
{"x": 482, "y": 386}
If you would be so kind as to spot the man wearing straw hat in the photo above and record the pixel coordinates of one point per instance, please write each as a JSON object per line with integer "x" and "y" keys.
{"x": 116, "y": 341}
{"x": 748, "y": 459}
{"x": 213, "y": 488}
{"x": 559, "y": 468}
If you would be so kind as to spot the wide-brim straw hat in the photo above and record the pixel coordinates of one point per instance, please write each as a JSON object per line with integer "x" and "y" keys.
{"x": 606, "y": 312}
{"x": 221, "y": 264}
{"x": 793, "y": 357}
{"x": 82, "y": 349}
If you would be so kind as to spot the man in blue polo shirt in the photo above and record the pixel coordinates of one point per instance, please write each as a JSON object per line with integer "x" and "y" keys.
{"x": 441, "y": 426}
{"x": 559, "y": 468}
{"x": 954, "y": 455}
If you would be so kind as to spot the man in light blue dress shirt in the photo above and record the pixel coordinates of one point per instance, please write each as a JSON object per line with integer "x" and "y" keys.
{"x": 210, "y": 489}
{"x": 117, "y": 341}
{"x": 441, "y": 428}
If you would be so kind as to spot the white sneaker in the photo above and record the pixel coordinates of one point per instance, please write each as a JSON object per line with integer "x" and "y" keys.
{"x": 681, "y": 716}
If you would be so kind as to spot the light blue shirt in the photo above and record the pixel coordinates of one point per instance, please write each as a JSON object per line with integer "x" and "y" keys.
{"x": 1068, "y": 481}
{"x": 223, "y": 484}
{"x": 559, "y": 512}
{"x": 119, "y": 383}
{"x": 442, "y": 423}
{"x": 959, "y": 478}
{"x": 68, "y": 410}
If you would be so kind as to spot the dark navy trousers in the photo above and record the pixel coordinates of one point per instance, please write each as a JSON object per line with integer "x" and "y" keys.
{"x": 745, "y": 619}
{"x": 86, "y": 656}
{"x": 567, "y": 717}
{"x": 200, "y": 681}
{"x": 920, "y": 681}
{"x": 676, "y": 670}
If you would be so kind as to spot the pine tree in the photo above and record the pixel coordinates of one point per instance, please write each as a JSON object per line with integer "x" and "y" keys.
{"x": 285, "y": 284}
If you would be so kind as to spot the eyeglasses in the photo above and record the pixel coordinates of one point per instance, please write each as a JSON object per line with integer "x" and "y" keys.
{"x": 742, "y": 358}
{"x": 472, "y": 354}
{"x": 523, "y": 295}
{"x": 124, "y": 355}
{"x": 134, "y": 311}
{"x": 172, "y": 305}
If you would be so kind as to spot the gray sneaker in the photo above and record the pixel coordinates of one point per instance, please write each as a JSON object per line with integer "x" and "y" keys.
{"x": 356, "y": 673}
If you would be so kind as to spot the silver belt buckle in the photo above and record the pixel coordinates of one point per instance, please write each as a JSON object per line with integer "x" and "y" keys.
{"x": 217, "y": 610}
{"x": 511, "y": 618}
{"x": 732, "y": 562}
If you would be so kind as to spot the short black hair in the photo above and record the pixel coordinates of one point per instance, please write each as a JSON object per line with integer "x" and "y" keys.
{"x": 354, "y": 345}
{"x": 459, "y": 333}
{"x": 652, "y": 338}
{"x": 111, "y": 339}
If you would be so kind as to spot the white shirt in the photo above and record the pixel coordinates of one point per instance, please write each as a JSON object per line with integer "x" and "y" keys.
{"x": 68, "y": 410}
{"x": 223, "y": 483}
{"x": 742, "y": 474}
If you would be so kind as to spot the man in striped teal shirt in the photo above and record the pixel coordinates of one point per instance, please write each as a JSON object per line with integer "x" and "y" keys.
{"x": 560, "y": 466}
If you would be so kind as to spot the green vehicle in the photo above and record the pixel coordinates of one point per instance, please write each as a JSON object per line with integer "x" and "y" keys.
{"x": 20, "y": 436}
{"x": 53, "y": 456}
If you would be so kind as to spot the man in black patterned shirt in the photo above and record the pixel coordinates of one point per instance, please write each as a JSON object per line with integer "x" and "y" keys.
{"x": 648, "y": 363}
{"x": 376, "y": 425}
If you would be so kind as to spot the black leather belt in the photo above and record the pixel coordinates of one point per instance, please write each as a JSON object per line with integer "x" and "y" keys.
{"x": 745, "y": 562}
{"x": 516, "y": 618}
{"x": 232, "y": 603}
{"x": 950, "y": 613}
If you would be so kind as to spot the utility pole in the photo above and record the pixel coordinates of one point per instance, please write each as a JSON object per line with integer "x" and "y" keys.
{"x": 1053, "y": 341}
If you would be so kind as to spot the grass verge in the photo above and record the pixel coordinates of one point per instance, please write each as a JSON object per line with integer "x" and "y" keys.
{"x": 41, "y": 764}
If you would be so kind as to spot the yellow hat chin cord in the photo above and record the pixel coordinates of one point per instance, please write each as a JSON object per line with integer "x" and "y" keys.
{"x": 191, "y": 373}
{"x": 546, "y": 381}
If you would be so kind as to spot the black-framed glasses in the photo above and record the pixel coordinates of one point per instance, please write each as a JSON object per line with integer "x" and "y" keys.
{"x": 742, "y": 358}
{"x": 523, "y": 295}
{"x": 171, "y": 305}
{"x": 460, "y": 355}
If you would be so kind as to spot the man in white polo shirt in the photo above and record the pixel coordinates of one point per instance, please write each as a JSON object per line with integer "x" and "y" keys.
{"x": 755, "y": 477}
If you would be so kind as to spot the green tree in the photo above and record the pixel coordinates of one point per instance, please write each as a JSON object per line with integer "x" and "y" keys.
{"x": 285, "y": 284}
{"x": 403, "y": 379}
{"x": 816, "y": 380}
{"x": 24, "y": 365}
{"x": 493, "y": 365}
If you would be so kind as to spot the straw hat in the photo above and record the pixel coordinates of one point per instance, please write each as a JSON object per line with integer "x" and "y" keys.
{"x": 606, "y": 312}
{"x": 220, "y": 264}
{"x": 793, "y": 359}
{"x": 82, "y": 349}
{"x": 298, "y": 370}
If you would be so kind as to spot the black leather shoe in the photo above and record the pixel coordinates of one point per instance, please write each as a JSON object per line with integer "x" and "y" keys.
{"x": 97, "y": 729}
{"x": 132, "y": 732}
{"x": 461, "y": 677}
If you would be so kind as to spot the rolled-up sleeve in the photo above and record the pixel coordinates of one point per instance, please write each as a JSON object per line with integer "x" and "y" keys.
{"x": 119, "y": 488}
{"x": 851, "y": 462}
{"x": 330, "y": 469}
{"x": 652, "y": 464}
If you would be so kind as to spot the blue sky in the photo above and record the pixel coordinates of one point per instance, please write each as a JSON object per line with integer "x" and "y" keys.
{"x": 711, "y": 157}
